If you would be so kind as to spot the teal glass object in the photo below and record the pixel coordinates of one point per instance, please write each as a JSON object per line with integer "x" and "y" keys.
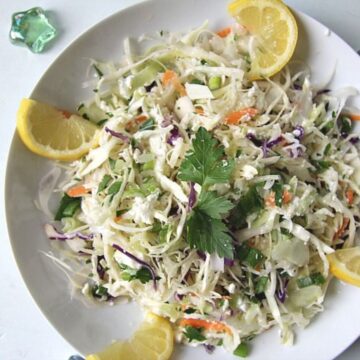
{"x": 32, "y": 28}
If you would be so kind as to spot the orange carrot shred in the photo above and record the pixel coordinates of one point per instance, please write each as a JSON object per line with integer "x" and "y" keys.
{"x": 77, "y": 191}
{"x": 342, "y": 228}
{"x": 171, "y": 78}
{"x": 349, "y": 196}
{"x": 141, "y": 118}
{"x": 270, "y": 200}
{"x": 224, "y": 32}
{"x": 199, "y": 110}
{"x": 354, "y": 117}
{"x": 235, "y": 117}
{"x": 118, "y": 218}
{"x": 168, "y": 77}
{"x": 286, "y": 197}
{"x": 208, "y": 325}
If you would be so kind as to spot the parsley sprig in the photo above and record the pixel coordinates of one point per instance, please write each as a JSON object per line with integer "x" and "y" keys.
{"x": 206, "y": 164}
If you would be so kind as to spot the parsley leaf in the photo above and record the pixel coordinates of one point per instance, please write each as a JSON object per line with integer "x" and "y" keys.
{"x": 194, "y": 334}
{"x": 278, "y": 190}
{"x": 248, "y": 204}
{"x": 213, "y": 205}
{"x": 205, "y": 229}
{"x": 205, "y": 164}
{"x": 129, "y": 274}
{"x": 209, "y": 234}
{"x": 244, "y": 253}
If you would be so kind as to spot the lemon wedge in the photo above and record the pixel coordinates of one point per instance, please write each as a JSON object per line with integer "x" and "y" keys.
{"x": 53, "y": 133}
{"x": 275, "y": 34}
{"x": 345, "y": 265}
{"x": 154, "y": 340}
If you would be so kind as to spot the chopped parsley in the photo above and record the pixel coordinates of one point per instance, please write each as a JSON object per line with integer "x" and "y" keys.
{"x": 194, "y": 334}
{"x": 249, "y": 203}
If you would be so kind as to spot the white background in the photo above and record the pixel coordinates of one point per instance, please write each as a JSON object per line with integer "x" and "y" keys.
{"x": 24, "y": 332}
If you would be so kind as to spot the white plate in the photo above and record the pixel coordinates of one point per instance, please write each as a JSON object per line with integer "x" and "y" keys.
{"x": 89, "y": 329}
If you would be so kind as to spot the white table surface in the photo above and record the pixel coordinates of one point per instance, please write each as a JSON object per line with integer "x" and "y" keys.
{"x": 24, "y": 332}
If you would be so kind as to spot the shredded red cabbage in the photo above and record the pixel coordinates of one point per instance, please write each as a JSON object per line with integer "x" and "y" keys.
{"x": 174, "y": 135}
{"x": 192, "y": 196}
{"x": 54, "y": 234}
{"x": 253, "y": 139}
{"x": 141, "y": 262}
{"x": 299, "y": 132}
{"x": 178, "y": 297}
{"x": 229, "y": 262}
{"x": 117, "y": 134}
{"x": 201, "y": 255}
{"x": 168, "y": 120}
{"x": 266, "y": 145}
{"x": 281, "y": 293}
{"x": 209, "y": 348}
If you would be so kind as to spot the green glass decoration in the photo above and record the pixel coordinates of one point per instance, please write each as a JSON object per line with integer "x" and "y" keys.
{"x": 32, "y": 28}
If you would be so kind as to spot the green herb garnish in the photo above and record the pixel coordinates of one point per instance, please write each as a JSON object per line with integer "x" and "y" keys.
{"x": 205, "y": 164}
{"x": 249, "y": 203}
{"x": 147, "y": 125}
{"x": 103, "y": 183}
{"x": 205, "y": 229}
{"x": 194, "y": 334}
{"x": 67, "y": 207}
{"x": 313, "y": 279}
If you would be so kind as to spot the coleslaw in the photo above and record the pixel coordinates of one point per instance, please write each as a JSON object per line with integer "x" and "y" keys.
{"x": 210, "y": 200}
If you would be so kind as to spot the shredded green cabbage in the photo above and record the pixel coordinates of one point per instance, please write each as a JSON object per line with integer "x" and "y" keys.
{"x": 293, "y": 164}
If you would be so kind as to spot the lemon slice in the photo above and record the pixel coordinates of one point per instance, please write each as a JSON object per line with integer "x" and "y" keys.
{"x": 275, "y": 34}
{"x": 154, "y": 340}
{"x": 345, "y": 265}
{"x": 53, "y": 133}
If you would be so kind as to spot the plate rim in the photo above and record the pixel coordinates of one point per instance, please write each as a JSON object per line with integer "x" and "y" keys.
{"x": 73, "y": 43}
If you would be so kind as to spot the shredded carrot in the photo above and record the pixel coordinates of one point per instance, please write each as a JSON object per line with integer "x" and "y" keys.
{"x": 354, "y": 117}
{"x": 208, "y": 325}
{"x": 286, "y": 197}
{"x": 270, "y": 200}
{"x": 170, "y": 78}
{"x": 77, "y": 191}
{"x": 141, "y": 118}
{"x": 342, "y": 228}
{"x": 199, "y": 110}
{"x": 224, "y": 32}
{"x": 117, "y": 218}
{"x": 349, "y": 196}
{"x": 235, "y": 117}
